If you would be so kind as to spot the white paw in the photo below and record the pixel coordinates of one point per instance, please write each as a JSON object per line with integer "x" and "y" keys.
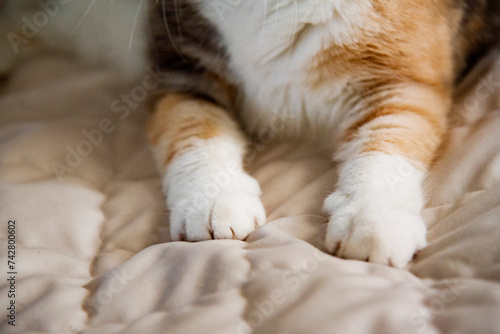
{"x": 375, "y": 213}
{"x": 215, "y": 211}
{"x": 371, "y": 232}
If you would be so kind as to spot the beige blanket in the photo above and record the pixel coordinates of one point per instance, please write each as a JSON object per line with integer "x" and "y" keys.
{"x": 91, "y": 232}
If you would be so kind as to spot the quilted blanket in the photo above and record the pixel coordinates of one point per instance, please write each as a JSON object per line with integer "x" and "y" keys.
{"x": 84, "y": 238}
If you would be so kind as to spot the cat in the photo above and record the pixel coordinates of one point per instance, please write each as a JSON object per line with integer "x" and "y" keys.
{"x": 371, "y": 81}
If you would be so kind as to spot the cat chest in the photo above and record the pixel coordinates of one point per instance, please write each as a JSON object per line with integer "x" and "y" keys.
{"x": 271, "y": 47}
{"x": 288, "y": 106}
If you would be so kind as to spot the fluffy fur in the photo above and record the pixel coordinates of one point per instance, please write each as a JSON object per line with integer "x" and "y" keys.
{"x": 370, "y": 80}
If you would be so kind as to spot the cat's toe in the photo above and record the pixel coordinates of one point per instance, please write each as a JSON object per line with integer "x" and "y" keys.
{"x": 233, "y": 213}
{"x": 374, "y": 234}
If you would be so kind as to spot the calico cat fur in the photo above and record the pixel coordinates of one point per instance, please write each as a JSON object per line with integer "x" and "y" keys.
{"x": 371, "y": 80}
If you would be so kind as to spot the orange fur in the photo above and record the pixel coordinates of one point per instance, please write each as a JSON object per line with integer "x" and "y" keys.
{"x": 179, "y": 120}
{"x": 401, "y": 129}
{"x": 390, "y": 62}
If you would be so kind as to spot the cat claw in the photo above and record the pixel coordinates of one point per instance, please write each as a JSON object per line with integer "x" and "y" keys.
{"x": 233, "y": 213}
{"x": 369, "y": 233}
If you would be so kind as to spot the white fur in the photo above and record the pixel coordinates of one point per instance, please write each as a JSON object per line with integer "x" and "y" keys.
{"x": 272, "y": 44}
{"x": 375, "y": 211}
{"x": 210, "y": 195}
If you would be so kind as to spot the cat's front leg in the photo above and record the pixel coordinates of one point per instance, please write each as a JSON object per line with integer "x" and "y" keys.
{"x": 375, "y": 210}
{"x": 199, "y": 150}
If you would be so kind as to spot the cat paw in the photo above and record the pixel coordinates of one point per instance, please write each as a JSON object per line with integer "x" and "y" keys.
{"x": 373, "y": 231}
{"x": 230, "y": 212}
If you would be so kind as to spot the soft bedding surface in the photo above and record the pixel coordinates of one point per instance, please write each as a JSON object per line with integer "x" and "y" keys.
{"x": 92, "y": 247}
